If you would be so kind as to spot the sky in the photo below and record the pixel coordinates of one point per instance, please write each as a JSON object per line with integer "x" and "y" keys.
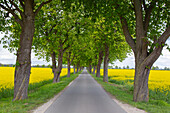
{"x": 9, "y": 58}
{"x": 162, "y": 61}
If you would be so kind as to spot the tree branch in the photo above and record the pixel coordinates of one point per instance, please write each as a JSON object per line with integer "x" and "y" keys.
{"x": 6, "y": 3}
{"x": 65, "y": 39}
{"x": 144, "y": 5}
{"x": 41, "y": 5}
{"x": 148, "y": 15}
{"x": 52, "y": 28}
{"x": 72, "y": 59}
{"x": 157, "y": 51}
{"x": 21, "y": 13}
{"x": 66, "y": 48}
{"x": 162, "y": 39}
{"x": 128, "y": 37}
{"x": 139, "y": 22}
{"x": 21, "y": 2}
{"x": 12, "y": 12}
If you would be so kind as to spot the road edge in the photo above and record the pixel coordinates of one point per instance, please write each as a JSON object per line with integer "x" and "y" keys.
{"x": 126, "y": 107}
{"x": 42, "y": 108}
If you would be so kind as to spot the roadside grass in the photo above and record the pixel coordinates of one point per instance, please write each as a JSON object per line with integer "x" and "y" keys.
{"x": 8, "y": 92}
{"x": 39, "y": 93}
{"x": 124, "y": 93}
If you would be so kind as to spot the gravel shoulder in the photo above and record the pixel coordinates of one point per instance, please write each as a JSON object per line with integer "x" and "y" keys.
{"x": 128, "y": 108}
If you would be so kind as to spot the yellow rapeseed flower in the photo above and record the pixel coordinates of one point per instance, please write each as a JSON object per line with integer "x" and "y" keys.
{"x": 37, "y": 75}
{"x": 157, "y": 78}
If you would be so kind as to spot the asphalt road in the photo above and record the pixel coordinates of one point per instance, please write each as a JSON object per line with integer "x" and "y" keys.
{"x": 84, "y": 95}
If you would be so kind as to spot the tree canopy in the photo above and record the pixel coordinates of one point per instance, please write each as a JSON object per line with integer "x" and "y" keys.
{"x": 86, "y": 33}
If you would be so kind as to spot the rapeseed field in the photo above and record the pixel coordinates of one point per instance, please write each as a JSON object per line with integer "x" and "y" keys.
{"x": 159, "y": 82}
{"x": 37, "y": 75}
{"x": 157, "y": 78}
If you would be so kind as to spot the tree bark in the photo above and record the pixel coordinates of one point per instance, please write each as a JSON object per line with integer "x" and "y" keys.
{"x": 94, "y": 69}
{"x": 77, "y": 68}
{"x": 90, "y": 68}
{"x": 141, "y": 91}
{"x": 74, "y": 69}
{"x": 53, "y": 56}
{"x": 99, "y": 63}
{"x": 59, "y": 68}
{"x": 68, "y": 65}
{"x": 106, "y": 62}
{"x": 23, "y": 62}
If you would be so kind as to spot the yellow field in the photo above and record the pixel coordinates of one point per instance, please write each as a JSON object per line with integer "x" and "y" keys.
{"x": 37, "y": 75}
{"x": 157, "y": 78}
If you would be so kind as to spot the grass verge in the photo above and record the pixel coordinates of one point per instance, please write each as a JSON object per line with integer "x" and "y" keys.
{"x": 124, "y": 93}
{"x": 39, "y": 93}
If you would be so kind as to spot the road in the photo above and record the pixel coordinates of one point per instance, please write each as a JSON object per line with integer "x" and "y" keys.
{"x": 84, "y": 95}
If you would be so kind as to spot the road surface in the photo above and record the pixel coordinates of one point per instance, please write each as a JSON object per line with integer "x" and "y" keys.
{"x": 84, "y": 95}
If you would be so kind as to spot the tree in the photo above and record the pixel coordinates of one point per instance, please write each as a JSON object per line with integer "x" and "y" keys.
{"x": 116, "y": 67}
{"x": 24, "y": 13}
{"x": 55, "y": 35}
{"x": 74, "y": 51}
{"x": 146, "y": 28}
{"x": 59, "y": 34}
{"x": 109, "y": 39}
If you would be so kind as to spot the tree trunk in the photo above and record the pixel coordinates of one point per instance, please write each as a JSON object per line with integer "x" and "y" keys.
{"x": 68, "y": 73}
{"x": 74, "y": 69}
{"x": 77, "y": 68}
{"x": 59, "y": 68}
{"x": 99, "y": 63}
{"x": 23, "y": 62}
{"x": 94, "y": 69}
{"x": 141, "y": 91}
{"x": 106, "y": 62}
{"x": 68, "y": 66}
{"x": 90, "y": 68}
{"x": 53, "y": 56}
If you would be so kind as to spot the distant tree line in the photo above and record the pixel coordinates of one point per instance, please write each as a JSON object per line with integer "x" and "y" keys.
{"x": 166, "y": 68}
{"x": 124, "y": 67}
{"x": 42, "y": 66}
{"x": 157, "y": 68}
{"x": 6, "y": 65}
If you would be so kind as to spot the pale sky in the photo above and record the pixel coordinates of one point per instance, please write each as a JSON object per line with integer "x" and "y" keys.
{"x": 162, "y": 61}
{"x": 9, "y": 58}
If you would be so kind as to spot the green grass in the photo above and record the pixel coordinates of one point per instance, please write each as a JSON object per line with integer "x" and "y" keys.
{"x": 124, "y": 93}
{"x": 38, "y": 93}
{"x": 8, "y": 92}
